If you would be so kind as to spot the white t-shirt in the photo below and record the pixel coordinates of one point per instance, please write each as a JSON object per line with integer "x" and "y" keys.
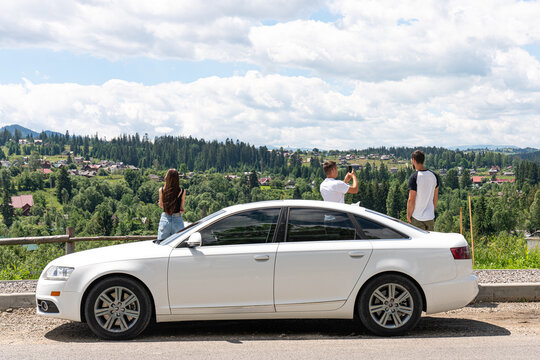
{"x": 334, "y": 190}
{"x": 424, "y": 182}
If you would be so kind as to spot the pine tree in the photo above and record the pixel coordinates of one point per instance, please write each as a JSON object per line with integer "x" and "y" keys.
{"x": 63, "y": 182}
{"x": 7, "y": 209}
{"x": 394, "y": 202}
{"x": 253, "y": 181}
{"x": 451, "y": 181}
{"x": 466, "y": 180}
{"x": 480, "y": 222}
{"x": 535, "y": 212}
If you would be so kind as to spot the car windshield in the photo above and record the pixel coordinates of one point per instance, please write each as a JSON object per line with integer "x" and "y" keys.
{"x": 396, "y": 220}
{"x": 189, "y": 227}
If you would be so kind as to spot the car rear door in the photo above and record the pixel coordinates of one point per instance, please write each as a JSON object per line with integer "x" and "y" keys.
{"x": 232, "y": 272}
{"x": 320, "y": 261}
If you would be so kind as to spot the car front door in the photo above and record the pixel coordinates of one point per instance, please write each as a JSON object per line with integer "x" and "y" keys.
{"x": 232, "y": 272}
{"x": 320, "y": 262}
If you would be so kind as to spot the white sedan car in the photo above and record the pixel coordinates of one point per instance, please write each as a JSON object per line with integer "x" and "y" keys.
{"x": 267, "y": 260}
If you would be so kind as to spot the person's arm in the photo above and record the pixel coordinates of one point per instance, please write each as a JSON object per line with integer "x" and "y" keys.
{"x": 436, "y": 192}
{"x": 160, "y": 202}
{"x": 182, "y": 199}
{"x": 410, "y": 204}
{"x": 354, "y": 188}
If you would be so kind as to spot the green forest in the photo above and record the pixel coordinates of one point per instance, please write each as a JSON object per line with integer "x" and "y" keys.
{"x": 219, "y": 174}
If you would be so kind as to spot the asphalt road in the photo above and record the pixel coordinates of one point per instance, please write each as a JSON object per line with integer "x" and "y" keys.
{"x": 481, "y": 331}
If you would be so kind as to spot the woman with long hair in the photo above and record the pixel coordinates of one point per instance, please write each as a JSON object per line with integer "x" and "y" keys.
{"x": 171, "y": 200}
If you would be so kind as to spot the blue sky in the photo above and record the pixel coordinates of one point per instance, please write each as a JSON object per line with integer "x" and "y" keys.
{"x": 45, "y": 65}
{"x": 328, "y": 74}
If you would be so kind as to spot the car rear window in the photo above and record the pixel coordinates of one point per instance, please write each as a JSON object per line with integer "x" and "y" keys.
{"x": 319, "y": 225}
{"x": 397, "y": 220}
{"x": 373, "y": 230}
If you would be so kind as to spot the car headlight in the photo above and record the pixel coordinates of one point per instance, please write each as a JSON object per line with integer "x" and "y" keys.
{"x": 58, "y": 273}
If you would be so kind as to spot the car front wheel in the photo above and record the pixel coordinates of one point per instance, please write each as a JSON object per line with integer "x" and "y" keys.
{"x": 390, "y": 305}
{"x": 118, "y": 308}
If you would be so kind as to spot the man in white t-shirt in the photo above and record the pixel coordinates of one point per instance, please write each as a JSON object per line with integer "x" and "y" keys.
{"x": 423, "y": 194}
{"x": 335, "y": 190}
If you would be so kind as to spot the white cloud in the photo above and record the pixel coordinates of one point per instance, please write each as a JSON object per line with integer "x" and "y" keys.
{"x": 372, "y": 41}
{"x": 391, "y": 40}
{"x": 420, "y": 72}
{"x": 279, "y": 110}
{"x": 115, "y": 29}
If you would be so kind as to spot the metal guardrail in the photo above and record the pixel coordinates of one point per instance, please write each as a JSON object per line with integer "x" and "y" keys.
{"x": 70, "y": 239}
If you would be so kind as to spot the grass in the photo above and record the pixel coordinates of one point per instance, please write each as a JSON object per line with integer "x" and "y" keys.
{"x": 113, "y": 178}
{"x": 505, "y": 252}
{"x": 51, "y": 199}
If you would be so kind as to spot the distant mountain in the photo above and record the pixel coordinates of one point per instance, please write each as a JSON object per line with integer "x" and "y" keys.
{"x": 25, "y": 131}
{"x": 507, "y": 149}
{"x": 482, "y": 147}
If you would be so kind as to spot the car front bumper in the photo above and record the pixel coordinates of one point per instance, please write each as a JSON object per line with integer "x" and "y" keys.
{"x": 66, "y": 302}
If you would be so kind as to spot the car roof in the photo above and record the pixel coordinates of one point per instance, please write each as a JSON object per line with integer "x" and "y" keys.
{"x": 295, "y": 203}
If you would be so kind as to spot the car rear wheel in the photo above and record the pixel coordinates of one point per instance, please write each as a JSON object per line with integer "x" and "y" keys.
{"x": 390, "y": 305}
{"x": 118, "y": 308}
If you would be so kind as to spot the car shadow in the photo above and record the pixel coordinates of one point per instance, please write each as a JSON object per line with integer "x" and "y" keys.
{"x": 239, "y": 331}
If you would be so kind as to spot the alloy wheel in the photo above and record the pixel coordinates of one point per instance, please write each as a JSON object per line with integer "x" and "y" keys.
{"x": 391, "y": 306}
{"x": 117, "y": 309}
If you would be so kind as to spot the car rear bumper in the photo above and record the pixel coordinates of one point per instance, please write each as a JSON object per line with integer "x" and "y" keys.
{"x": 66, "y": 303}
{"x": 450, "y": 295}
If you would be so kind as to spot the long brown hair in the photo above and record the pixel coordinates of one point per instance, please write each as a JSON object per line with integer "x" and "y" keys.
{"x": 171, "y": 191}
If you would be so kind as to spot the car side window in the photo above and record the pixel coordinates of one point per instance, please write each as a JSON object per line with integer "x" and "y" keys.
{"x": 319, "y": 225}
{"x": 372, "y": 230}
{"x": 249, "y": 227}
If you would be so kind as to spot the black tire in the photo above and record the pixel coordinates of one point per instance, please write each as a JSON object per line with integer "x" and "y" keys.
{"x": 118, "y": 319}
{"x": 385, "y": 314}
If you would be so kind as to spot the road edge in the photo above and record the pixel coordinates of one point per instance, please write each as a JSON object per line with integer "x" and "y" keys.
{"x": 508, "y": 292}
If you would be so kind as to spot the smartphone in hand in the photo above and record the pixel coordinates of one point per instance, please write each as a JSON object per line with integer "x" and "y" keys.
{"x": 350, "y": 168}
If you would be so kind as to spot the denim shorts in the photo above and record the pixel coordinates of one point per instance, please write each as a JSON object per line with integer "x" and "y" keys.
{"x": 169, "y": 224}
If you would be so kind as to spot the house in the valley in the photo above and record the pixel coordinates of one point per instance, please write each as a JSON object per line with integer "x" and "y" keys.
{"x": 264, "y": 181}
{"x": 477, "y": 180}
{"x": 155, "y": 178}
{"x": 45, "y": 172}
{"x": 24, "y": 202}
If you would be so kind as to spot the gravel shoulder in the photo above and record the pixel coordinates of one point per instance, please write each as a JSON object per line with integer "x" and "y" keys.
{"x": 484, "y": 277}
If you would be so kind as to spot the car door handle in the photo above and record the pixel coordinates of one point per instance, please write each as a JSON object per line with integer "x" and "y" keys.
{"x": 356, "y": 254}
{"x": 261, "y": 257}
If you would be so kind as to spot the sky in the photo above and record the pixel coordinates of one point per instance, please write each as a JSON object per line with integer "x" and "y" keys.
{"x": 336, "y": 74}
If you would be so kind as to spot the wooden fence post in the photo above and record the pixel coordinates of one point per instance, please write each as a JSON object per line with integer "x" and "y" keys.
{"x": 70, "y": 245}
{"x": 470, "y": 222}
{"x": 461, "y": 220}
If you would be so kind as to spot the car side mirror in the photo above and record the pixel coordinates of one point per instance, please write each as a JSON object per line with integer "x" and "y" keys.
{"x": 194, "y": 240}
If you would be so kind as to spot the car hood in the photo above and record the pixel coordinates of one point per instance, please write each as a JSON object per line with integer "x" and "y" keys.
{"x": 130, "y": 251}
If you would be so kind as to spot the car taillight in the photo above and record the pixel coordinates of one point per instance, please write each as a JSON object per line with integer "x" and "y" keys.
{"x": 461, "y": 253}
